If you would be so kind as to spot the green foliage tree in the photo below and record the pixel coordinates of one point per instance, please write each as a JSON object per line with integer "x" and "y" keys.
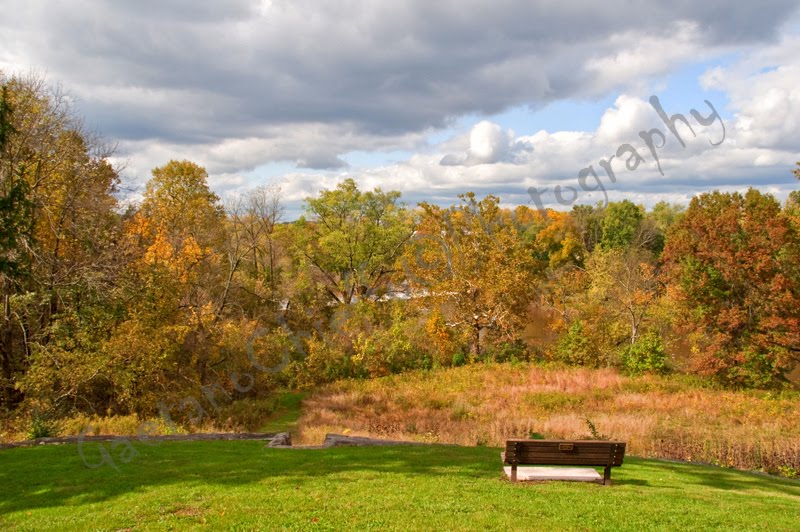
{"x": 589, "y": 223}
{"x": 621, "y": 225}
{"x": 353, "y": 239}
{"x": 15, "y": 228}
{"x": 15, "y": 206}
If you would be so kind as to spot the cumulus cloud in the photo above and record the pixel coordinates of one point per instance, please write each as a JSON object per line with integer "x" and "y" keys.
{"x": 764, "y": 88}
{"x": 749, "y": 155}
{"x": 241, "y": 84}
{"x": 179, "y": 72}
{"x": 489, "y": 144}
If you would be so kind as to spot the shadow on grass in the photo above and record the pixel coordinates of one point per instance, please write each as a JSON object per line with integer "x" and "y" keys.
{"x": 50, "y": 476}
{"x": 717, "y": 477}
{"x": 56, "y": 476}
{"x": 628, "y": 482}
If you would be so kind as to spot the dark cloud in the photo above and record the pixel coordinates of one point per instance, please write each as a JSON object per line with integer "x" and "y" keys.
{"x": 191, "y": 72}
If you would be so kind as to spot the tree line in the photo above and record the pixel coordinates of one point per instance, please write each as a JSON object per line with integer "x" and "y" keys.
{"x": 114, "y": 309}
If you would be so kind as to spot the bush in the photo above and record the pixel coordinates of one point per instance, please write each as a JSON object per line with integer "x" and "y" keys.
{"x": 647, "y": 355}
{"x": 514, "y": 351}
{"x": 387, "y": 350}
{"x": 42, "y": 426}
{"x": 574, "y": 347}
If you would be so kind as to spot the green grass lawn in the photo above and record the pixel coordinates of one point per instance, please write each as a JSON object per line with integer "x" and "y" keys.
{"x": 242, "y": 485}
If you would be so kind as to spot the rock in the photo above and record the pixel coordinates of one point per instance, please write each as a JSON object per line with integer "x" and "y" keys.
{"x": 282, "y": 439}
{"x": 338, "y": 440}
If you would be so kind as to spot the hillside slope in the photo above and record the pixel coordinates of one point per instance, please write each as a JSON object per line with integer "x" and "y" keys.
{"x": 664, "y": 417}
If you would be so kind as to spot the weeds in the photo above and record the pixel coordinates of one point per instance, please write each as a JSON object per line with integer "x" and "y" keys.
{"x": 673, "y": 416}
{"x": 595, "y": 434}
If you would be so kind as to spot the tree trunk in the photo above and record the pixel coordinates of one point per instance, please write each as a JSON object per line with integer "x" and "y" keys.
{"x": 271, "y": 266}
{"x": 8, "y": 394}
{"x": 234, "y": 265}
{"x": 475, "y": 348}
{"x": 634, "y": 328}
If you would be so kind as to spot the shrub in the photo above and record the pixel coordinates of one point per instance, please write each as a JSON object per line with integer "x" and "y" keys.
{"x": 459, "y": 359}
{"x": 514, "y": 351}
{"x": 647, "y": 355}
{"x": 553, "y": 401}
{"x": 384, "y": 351}
{"x": 575, "y": 348}
{"x": 42, "y": 426}
{"x": 247, "y": 414}
{"x": 440, "y": 340}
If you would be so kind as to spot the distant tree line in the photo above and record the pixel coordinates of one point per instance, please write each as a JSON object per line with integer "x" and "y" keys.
{"x": 113, "y": 310}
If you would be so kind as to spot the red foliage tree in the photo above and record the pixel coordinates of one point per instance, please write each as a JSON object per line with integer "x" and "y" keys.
{"x": 731, "y": 267}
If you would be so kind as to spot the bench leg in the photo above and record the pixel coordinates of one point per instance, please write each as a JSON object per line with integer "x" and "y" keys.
{"x": 513, "y": 472}
{"x": 607, "y": 476}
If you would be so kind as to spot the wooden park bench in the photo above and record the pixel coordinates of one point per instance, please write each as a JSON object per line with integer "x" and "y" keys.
{"x": 605, "y": 454}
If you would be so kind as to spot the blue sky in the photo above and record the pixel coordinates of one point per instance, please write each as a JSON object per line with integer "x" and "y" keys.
{"x": 432, "y": 99}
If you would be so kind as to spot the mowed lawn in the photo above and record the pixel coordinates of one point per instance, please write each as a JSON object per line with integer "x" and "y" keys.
{"x": 242, "y": 485}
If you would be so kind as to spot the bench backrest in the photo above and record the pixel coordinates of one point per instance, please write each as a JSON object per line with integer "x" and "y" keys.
{"x": 565, "y": 452}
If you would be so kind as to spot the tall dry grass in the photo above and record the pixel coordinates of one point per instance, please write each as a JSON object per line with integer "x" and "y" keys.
{"x": 664, "y": 417}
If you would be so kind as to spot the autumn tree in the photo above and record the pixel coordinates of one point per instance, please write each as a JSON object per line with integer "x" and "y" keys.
{"x": 604, "y": 307}
{"x": 558, "y": 242}
{"x": 626, "y": 284}
{"x": 729, "y": 265}
{"x": 602, "y": 303}
{"x": 352, "y": 240}
{"x": 471, "y": 263}
{"x": 59, "y": 205}
{"x": 179, "y": 232}
{"x": 254, "y": 246}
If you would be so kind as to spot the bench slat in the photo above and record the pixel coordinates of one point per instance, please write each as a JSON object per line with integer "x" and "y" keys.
{"x": 561, "y": 456}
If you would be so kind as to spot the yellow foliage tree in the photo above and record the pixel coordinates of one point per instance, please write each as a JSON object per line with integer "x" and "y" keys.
{"x": 471, "y": 263}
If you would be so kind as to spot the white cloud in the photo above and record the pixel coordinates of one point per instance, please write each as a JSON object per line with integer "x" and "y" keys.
{"x": 238, "y": 85}
{"x": 489, "y": 144}
{"x": 751, "y": 154}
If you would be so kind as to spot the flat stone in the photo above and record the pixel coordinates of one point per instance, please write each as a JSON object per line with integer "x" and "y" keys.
{"x": 340, "y": 440}
{"x": 282, "y": 439}
{"x": 578, "y": 474}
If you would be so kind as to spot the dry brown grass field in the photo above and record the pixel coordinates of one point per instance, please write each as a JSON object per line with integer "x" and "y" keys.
{"x": 666, "y": 417}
